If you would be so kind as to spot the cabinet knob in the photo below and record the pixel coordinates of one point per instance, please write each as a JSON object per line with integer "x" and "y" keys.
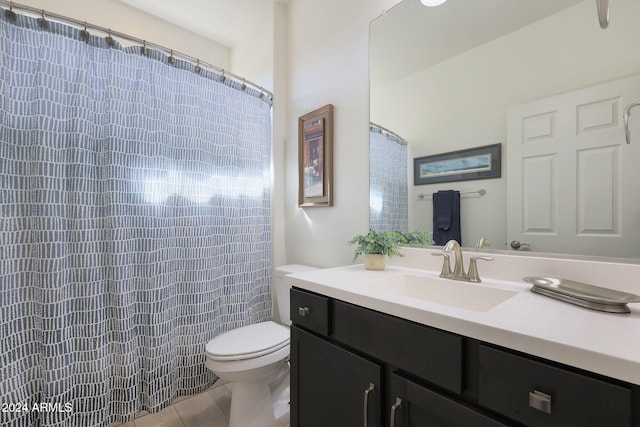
{"x": 303, "y": 311}
{"x": 540, "y": 401}
{"x": 393, "y": 411}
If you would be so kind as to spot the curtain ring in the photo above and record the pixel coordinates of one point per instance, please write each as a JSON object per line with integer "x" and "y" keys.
{"x": 145, "y": 49}
{"x": 244, "y": 85}
{"x": 198, "y": 68}
{"x": 172, "y": 59}
{"x": 42, "y": 22}
{"x": 222, "y": 77}
{"x": 84, "y": 34}
{"x": 9, "y": 14}
{"x": 110, "y": 41}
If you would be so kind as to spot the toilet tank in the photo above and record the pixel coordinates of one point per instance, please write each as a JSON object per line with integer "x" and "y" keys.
{"x": 282, "y": 289}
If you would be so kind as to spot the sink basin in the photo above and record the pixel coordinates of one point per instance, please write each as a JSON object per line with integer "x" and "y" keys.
{"x": 469, "y": 296}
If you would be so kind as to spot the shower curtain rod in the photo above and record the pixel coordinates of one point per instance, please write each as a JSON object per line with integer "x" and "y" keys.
{"x": 144, "y": 43}
{"x": 390, "y": 132}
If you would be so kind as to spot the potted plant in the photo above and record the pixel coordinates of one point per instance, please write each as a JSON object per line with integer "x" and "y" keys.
{"x": 374, "y": 246}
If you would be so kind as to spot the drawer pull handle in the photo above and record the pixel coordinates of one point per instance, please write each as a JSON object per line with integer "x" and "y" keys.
{"x": 303, "y": 311}
{"x": 393, "y": 411}
{"x": 540, "y": 401}
{"x": 367, "y": 392}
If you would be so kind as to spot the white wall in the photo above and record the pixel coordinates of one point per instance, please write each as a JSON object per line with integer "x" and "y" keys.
{"x": 253, "y": 56}
{"x": 328, "y": 64}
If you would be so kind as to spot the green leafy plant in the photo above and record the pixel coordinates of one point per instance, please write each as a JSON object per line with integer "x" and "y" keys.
{"x": 414, "y": 238}
{"x": 387, "y": 242}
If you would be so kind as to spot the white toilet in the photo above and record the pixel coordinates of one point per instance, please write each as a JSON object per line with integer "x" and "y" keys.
{"x": 255, "y": 359}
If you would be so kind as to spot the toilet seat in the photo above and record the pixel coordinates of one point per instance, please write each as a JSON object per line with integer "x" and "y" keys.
{"x": 248, "y": 342}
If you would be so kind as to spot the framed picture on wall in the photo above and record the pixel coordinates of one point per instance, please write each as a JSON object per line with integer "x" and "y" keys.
{"x": 462, "y": 165}
{"x": 315, "y": 158}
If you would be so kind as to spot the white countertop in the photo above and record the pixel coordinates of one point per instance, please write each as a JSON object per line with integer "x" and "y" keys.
{"x": 604, "y": 343}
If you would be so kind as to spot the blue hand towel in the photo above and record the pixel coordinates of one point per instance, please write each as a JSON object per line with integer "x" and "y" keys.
{"x": 446, "y": 216}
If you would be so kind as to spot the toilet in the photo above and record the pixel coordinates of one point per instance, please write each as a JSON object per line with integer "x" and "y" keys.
{"x": 254, "y": 359}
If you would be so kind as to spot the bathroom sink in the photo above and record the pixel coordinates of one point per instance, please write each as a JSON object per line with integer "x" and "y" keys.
{"x": 469, "y": 296}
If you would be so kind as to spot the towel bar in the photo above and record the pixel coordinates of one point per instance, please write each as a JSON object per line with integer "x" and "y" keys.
{"x": 481, "y": 192}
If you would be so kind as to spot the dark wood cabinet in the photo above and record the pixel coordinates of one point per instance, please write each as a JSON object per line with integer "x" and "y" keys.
{"x": 417, "y": 405}
{"x": 311, "y": 311}
{"x": 350, "y": 363}
{"x": 331, "y": 386}
{"x": 428, "y": 353}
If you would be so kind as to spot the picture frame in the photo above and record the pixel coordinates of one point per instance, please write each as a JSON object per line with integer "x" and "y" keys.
{"x": 315, "y": 158}
{"x": 463, "y": 165}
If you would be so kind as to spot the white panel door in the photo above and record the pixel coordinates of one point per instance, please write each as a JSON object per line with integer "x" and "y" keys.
{"x": 568, "y": 167}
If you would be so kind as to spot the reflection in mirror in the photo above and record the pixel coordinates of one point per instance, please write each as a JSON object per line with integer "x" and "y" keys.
{"x": 447, "y": 78}
{"x": 388, "y": 206}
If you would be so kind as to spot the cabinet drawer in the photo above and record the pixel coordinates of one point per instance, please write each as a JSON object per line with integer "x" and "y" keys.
{"x": 538, "y": 394}
{"x": 430, "y": 354}
{"x": 310, "y": 310}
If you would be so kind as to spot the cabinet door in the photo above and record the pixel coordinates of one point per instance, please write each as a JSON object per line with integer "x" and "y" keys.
{"x": 331, "y": 386}
{"x": 413, "y": 405}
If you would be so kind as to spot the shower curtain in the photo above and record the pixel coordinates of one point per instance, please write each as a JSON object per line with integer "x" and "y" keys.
{"x": 388, "y": 157}
{"x": 134, "y": 224}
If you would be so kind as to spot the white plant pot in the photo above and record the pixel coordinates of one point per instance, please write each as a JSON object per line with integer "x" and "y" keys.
{"x": 374, "y": 262}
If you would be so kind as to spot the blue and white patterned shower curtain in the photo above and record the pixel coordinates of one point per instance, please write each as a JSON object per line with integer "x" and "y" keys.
{"x": 388, "y": 198}
{"x": 134, "y": 224}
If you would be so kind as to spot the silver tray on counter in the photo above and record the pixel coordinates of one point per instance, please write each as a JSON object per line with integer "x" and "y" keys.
{"x": 589, "y": 296}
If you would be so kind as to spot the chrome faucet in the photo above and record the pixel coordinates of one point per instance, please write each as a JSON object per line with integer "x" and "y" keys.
{"x": 458, "y": 269}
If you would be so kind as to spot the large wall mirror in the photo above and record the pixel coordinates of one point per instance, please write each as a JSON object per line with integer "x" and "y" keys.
{"x": 533, "y": 76}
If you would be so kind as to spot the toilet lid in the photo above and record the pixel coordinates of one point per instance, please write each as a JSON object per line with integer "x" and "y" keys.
{"x": 249, "y": 341}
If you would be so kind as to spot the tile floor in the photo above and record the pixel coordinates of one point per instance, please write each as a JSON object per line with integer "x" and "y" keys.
{"x": 210, "y": 409}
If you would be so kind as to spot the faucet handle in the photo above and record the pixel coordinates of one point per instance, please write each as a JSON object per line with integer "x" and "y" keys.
{"x": 473, "y": 267}
{"x": 446, "y": 266}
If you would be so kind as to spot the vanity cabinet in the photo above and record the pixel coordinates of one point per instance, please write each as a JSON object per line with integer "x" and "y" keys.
{"x": 352, "y": 366}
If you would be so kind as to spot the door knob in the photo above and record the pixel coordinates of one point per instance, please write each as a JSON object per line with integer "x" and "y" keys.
{"x": 517, "y": 245}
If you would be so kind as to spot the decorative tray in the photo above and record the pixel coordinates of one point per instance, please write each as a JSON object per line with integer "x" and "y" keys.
{"x": 589, "y": 296}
